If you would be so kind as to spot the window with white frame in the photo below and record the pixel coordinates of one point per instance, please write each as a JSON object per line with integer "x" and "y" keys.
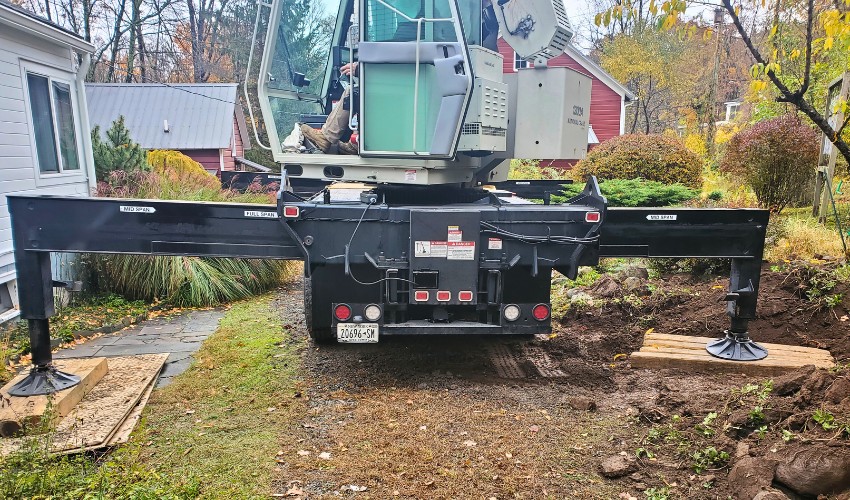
{"x": 519, "y": 62}
{"x": 732, "y": 110}
{"x": 53, "y": 124}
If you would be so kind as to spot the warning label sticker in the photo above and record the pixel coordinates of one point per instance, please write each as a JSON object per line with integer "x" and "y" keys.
{"x": 410, "y": 175}
{"x": 494, "y": 244}
{"x": 461, "y": 250}
{"x": 424, "y": 249}
{"x": 455, "y": 234}
{"x": 439, "y": 249}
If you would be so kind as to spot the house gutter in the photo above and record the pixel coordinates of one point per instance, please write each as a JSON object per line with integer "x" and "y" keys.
{"x": 82, "y": 71}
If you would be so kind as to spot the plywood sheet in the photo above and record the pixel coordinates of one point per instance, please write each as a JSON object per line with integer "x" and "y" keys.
{"x": 100, "y": 415}
{"x": 122, "y": 434}
{"x": 17, "y": 411}
{"x": 688, "y": 353}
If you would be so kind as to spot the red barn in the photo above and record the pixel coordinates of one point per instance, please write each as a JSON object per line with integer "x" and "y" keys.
{"x": 608, "y": 97}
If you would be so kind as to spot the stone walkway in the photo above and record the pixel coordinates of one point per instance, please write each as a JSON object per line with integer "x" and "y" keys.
{"x": 179, "y": 335}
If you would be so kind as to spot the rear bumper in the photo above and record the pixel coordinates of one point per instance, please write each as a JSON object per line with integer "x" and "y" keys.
{"x": 423, "y": 327}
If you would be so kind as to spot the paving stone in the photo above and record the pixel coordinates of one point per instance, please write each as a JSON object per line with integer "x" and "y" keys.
{"x": 176, "y": 368}
{"x": 160, "y": 330}
{"x": 194, "y": 338}
{"x": 134, "y": 349}
{"x": 133, "y": 340}
{"x": 162, "y": 382}
{"x": 179, "y": 336}
{"x": 83, "y": 351}
{"x": 178, "y": 356}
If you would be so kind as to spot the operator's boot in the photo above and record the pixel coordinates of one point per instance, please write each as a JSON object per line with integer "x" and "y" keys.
{"x": 347, "y": 148}
{"x": 317, "y": 137}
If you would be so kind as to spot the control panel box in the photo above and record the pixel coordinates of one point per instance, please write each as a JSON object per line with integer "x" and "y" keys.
{"x": 552, "y": 114}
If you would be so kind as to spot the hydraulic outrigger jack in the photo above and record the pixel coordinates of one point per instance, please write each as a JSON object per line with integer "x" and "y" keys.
{"x": 741, "y": 308}
{"x": 43, "y": 377}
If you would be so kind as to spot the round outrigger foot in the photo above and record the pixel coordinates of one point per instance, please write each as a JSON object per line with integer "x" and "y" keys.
{"x": 736, "y": 347}
{"x": 45, "y": 379}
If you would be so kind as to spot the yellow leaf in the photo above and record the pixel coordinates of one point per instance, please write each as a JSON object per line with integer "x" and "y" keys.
{"x": 650, "y": 331}
{"x": 618, "y": 357}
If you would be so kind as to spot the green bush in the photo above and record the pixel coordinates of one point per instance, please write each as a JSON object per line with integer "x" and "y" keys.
{"x": 651, "y": 157}
{"x": 776, "y": 158}
{"x": 636, "y": 193}
{"x": 117, "y": 152}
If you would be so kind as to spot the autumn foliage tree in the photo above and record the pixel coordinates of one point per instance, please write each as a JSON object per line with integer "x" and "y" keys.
{"x": 824, "y": 30}
{"x": 775, "y": 158}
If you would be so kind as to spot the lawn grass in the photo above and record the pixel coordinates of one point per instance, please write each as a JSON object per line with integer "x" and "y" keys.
{"x": 219, "y": 422}
{"x": 212, "y": 433}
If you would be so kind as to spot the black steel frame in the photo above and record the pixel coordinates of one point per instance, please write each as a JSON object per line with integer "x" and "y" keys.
{"x": 45, "y": 224}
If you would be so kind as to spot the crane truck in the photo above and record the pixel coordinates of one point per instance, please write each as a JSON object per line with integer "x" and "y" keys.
{"x": 406, "y": 241}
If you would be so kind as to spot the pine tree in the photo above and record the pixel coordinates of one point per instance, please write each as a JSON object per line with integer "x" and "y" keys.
{"x": 117, "y": 152}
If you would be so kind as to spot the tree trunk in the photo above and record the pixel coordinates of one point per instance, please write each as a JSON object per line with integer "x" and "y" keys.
{"x": 196, "y": 32}
{"x": 131, "y": 47}
{"x": 142, "y": 53}
{"x": 116, "y": 39}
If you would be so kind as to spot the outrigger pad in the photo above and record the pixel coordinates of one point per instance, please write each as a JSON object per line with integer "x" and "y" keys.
{"x": 736, "y": 347}
{"x": 44, "y": 380}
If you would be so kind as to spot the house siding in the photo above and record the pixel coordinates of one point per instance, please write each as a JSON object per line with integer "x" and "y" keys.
{"x": 18, "y": 164}
{"x": 605, "y": 102}
{"x": 210, "y": 159}
{"x": 237, "y": 149}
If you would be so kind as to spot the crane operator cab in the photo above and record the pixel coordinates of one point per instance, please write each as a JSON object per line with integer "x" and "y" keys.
{"x": 428, "y": 102}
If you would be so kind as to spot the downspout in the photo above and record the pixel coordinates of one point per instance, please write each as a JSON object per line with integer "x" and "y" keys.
{"x": 82, "y": 71}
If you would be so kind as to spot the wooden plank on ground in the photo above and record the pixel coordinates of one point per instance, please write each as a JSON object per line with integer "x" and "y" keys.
{"x": 700, "y": 342}
{"x": 688, "y": 353}
{"x": 17, "y": 412}
{"x": 100, "y": 416}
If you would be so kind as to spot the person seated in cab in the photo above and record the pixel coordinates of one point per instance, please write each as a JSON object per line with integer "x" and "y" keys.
{"x": 328, "y": 138}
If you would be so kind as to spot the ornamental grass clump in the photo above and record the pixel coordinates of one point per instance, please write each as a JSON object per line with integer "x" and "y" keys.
{"x": 650, "y": 157}
{"x": 182, "y": 281}
{"x": 776, "y": 158}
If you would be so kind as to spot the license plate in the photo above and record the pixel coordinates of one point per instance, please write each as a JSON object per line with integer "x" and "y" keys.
{"x": 357, "y": 333}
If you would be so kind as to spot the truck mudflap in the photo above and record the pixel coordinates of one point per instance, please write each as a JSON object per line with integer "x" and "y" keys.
{"x": 366, "y": 249}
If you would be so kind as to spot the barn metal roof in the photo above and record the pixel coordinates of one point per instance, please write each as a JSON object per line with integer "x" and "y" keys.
{"x": 200, "y": 116}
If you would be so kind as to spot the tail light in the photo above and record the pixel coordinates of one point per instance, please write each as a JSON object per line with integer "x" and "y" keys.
{"x": 465, "y": 296}
{"x": 342, "y": 312}
{"x": 540, "y": 312}
{"x": 420, "y": 296}
{"x": 291, "y": 212}
{"x": 444, "y": 296}
{"x": 592, "y": 217}
{"x": 511, "y": 312}
{"x": 372, "y": 312}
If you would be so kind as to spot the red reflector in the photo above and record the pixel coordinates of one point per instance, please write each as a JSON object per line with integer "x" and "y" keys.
{"x": 291, "y": 211}
{"x": 592, "y": 217}
{"x": 342, "y": 312}
{"x": 420, "y": 296}
{"x": 464, "y": 296}
{"x": 444, "y": 296}
{"x": 540, "y": 312}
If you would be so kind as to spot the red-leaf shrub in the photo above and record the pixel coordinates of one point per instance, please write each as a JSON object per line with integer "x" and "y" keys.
{"x": 776, "y": 158}
{"x": 651, "y": 157}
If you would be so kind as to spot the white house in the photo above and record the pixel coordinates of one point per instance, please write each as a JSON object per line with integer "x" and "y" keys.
{"x": 45, "y": 144}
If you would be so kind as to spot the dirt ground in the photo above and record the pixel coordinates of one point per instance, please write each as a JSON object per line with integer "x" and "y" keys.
{"x": 506, "y": 417}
